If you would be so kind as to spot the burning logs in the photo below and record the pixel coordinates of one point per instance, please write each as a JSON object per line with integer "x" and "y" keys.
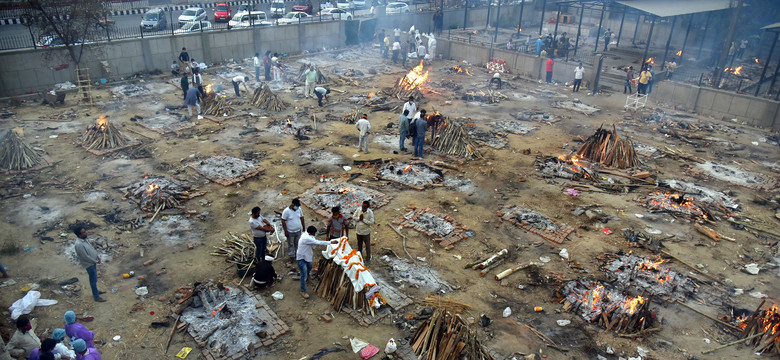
{"x": 565, "y": 167}
{"x": 452, "y": 139}
{"x": 608, "y": 307}
{"x": 158, "y": 194}
{"x": 607, "y": 148}
{"x": 409, "y": 85}
{"x": 445, "y": 335}
{"x": 648, "y": 276}
{"x": 215, "y": 105}
{"x": 674, "y": 203}
{"x": 265, "y": 99}
{"x": 103, "y": 136}
{"x": 762, "y": 330}
{"x": 16, "y": 155}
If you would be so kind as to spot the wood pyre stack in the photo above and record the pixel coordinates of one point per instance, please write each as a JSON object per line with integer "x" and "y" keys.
{"x": 762, "y": 329}
{"x": 335, "y": 287}
{"x": 215, "y": 105}
{"x": 608, "y": 148}
{"x": 157, "y": 194}
{"x": 103, "y": 136}
{"x": 450, "y": 138}
{"x": 352, "y": 117}
{"x": 611, "y": 309}
{"x": 409, "y": 85}
{"x": 236, "y": 249}
{"x": 265, "y": 99}
{"x": 446, "y": 335}
{"x": 16, "y": 155}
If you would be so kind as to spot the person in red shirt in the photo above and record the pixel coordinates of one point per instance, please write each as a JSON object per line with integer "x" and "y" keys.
{"x": 337, "y": 224}
{"x": 549, "y": 70}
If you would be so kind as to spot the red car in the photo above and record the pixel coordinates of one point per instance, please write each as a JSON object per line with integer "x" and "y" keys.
{"x": 222, "y": 13}
{"x": 303, "y": 6}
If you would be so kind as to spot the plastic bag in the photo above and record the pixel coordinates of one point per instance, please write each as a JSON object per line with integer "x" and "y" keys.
{"x": 390, "y": 347}
{"x": 369, "y": 351}
{"x": 26, "y": 304}
{"x": 357, "y": 344}
{"x": 277, "y": 295}
{"x": 507, "y": 312}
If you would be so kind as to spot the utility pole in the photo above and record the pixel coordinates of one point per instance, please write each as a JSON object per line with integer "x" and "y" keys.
{"x": 725, "y": 53}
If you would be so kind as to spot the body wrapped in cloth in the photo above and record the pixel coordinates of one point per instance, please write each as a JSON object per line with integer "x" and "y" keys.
{"x": 353, "y": 269}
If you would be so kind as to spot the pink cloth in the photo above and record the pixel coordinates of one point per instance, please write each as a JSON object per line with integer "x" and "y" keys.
{"x": 369, "y": 351}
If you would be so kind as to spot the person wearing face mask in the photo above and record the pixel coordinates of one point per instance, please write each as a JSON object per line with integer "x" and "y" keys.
{"x": 293, "y": 224}
{"x": 24, "y": 339}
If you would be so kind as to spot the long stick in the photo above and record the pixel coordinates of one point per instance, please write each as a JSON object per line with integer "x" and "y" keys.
{"x": 157, "y": 212}
{"x": 732, "y": 343}
{"x": 404, "y": 239}
{"x": 170, "y": 337}
{"x": 247, "y": 271}
{"x": 690, "y": 266}
{"x": 708, "y": 316}
{"x": 755, "y": 228}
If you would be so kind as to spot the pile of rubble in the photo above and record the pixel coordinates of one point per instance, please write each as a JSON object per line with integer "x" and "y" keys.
{"x": 442, "y": 228}
{"x": 226, "y": 170}
{"x": 417, "y": 176}
{"x": 535, "y": 222}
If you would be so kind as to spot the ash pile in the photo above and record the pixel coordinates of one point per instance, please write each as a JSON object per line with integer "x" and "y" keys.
{"x": 640, "y": 275}
{"x": 298, "y": 124}
{"x": 572, "y": 168}
{"x": 230, "y": 323}
{"x": 512, "y": 127}
{"x": 703, "y": 194}
{"x": 129, "y": 90}
{"x": 226, "y": 170}
{"x": 325, "y": 196}
{"x": 444, "y": 229}
{"x": 532, "y": 116}
{"x": 577, "y": 106}
{"x": 368, "y": 100}
{"x": 417, "y": 176}
{"x": 676, "y": 204}
{"x": 609, "y": 307}
{"x": 159, "y": 193}
{"x": 666, "y": 121}
{"x": 535, "y": 222}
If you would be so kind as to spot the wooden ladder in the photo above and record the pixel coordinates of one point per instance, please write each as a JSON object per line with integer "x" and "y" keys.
{"x": 84, "y": 84}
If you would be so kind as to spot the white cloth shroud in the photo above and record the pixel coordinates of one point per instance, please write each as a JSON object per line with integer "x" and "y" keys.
{"x": 26, "y": 304}
{"x": 352, "y": 262}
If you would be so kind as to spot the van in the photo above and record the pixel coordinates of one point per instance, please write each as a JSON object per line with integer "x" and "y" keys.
{"x": 154, "y": 20}
{"x": 242, "y": 20}
{"x": 278, "y": 7}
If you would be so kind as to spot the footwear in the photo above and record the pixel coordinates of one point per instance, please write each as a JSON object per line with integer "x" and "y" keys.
{"x": 100, "y": 299}
{"x": 101, "y": 292}
{"x": 304, "y": 295}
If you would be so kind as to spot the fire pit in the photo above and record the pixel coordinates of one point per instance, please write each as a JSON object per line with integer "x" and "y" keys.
{"x": 158, "y": 193}
{"x": 573, "y": 168}
{"x": 535, "y": 222}
{"x": 443, "y": 228}
{"x": 409, "y": 85}
{"x": 323, "y": 197}
{"x": 676, "y": 204}
{"x": 226, "y": 170}
{"x": 609, "y": 307}
{"x": 459, "y": 69}
{"x": 762, "y": 329}
{"x": 641, "y": 275}
{"x": 103, "y": 137}
{"x": 417, "y": 176}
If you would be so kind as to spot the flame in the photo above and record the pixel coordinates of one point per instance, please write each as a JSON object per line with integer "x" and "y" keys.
{"x": 630, "y": 305}
{"x": 208, "y": 88}
{"x": 102, "y": 122}
{"x": 414, "y": 78}
{"x": 650, "y": 61}
{"x": 152, "y": 188}
{"x": 370, "y": 96}
{"x": 408, "y": 168}
{"x": 675, "y": 202}
{"x": 735, "y": 71}
{"x": 474, "y": 32}
{"x": 460, "y": 69}
{"x": 756, "y": 60}
{"x": 679, "y": 53}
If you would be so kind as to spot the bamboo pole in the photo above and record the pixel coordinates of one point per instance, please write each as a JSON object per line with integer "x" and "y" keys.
{"x": 732, "y": 343}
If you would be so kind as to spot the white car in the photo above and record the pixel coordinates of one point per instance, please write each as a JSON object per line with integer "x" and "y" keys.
{"x": 293, "y": 18}
{"x": 360, "y": 4}
{"x": 192, "y": 14}
{"x": 194, "y": 26}
{"x": 245, "y": 19}
{"x": 342, "y": 4}
{"x": 278, "y": 7}
{"x": 337, "y": 14}
{"x": 397, "y": 8}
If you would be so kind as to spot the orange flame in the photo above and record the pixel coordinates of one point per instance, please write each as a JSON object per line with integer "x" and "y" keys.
{"x": 735, "y": 71}
{"x": 414, "y": 78}
{"x": 152, "y": 188}
{"x": 208, "y": 88}
{"x": 407, "y": 168}
{"x": 650, "y": 61}
{"x": 630, "y": 305}
{"x": 370, "y": 96}
{"x": 679, "y": 53}
{"x": 102, "y": 122}
{"x": 756, "y": 60}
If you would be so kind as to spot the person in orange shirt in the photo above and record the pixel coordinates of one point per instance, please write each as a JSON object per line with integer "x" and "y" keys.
{"x": 549, "y": 70}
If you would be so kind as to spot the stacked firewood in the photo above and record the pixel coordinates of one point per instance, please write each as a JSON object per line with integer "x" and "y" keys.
{"x": 16, "y": 155}
{"x": 352, "y": 117}
{"x": 335, "y": 287}
{"x": 236, "y": 249}
{"x": 156, "y": 194}
{"x": 103, "y": 135}
{"x": 452, "y": 139}
{"x": 445, "y": 335}
{"x": 265, "y": 99}
{"x": 608, "y": 307}
{"x": 762, "y": 329}
{"x": 321, "y": 78}
{"x": 608, "y": 148}
{"x": 214, "y": 105}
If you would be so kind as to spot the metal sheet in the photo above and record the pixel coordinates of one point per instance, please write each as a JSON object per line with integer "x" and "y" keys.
{"x": 665, "y": 8}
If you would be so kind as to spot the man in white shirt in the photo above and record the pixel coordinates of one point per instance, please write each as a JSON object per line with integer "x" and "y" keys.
{"x": 259, "y": 227}
{"x": 257, "y": 63}
{"x": 304, "y": 255}
{"x": 579, "y": 71}
{"x": 421, "y": 51}
{"x": 410, "y": 105}
{"x": 397, "y": 34}
{"x": 321, "y": 92}
{"x": 432, "y": 46}
{"x": 365, "y": 128}
{"x": 240, "y": 80}
{"x": 396, "y": 51}
{"x": 363, "y": 219}
{"x": 293, "y": 224}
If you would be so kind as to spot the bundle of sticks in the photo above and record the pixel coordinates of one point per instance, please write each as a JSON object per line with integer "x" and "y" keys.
{"x": 335, "y": 287}
{"x": 16, "y": 155}
{"x": 762, "y": 330}
{"x": 265, "y": 99}
{"x": 446, "y": 336}
{"x": 450, "y": 138}
{"x": 236, "y": 249}
{"x": 215, "y": 105}
{"x": 352, "y": 117}
{"x": 485, "y": 265}
{"x": 102, "y": 135}
{"x": 321, "y": 78}
{"x": 608, "y": 148}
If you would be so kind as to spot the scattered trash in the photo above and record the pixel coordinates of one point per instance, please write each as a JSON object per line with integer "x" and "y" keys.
{"x": 484, "y": 320}
{"x": 752, "y": 269}
{"x": 183, "y": 352}
{"x": 606, "y": 231}
{"x": 538, "y": 309}
{"x": 544, "y": 259}
{"x": 572, "y": 192}
{"x": 142, "y": 291}
{"x": 128, "y": 275}
{"x": 564, "y": 253}
{"x": 347, "y": 168}
{"x": 390, "y": 347}
{"x": 707, "y": 340}
{"x": 563, "y": 322}
{"x": 758, "y": 295}
{"x": 357, "y": 344}
{"x": 117, "y": 338}
{"x": 421, "y": 259}
{"x": 507, "y": 312}
{"x": 642, "y": 351}
{"x": 653, "y": 231}
{"x": 277, "y": 295}
{"x": 369, "y": 351}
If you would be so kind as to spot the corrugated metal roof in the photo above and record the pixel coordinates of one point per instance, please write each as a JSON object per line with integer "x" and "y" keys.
{"x": 773, "y": 27}
{"x": 664, "y": 8}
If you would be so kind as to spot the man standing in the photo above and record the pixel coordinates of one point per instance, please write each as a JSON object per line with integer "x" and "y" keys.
{"x": 385, "y": 46}
{"x": 365, "y": 128}
{"x": 411, "y": 106}
{"x": 652, "y": 80}
{"x": 579, "y": 71}
{"x": 363, "y": 219}
{"x": 644, "y": 79}
{"x": 267, "y": 65}
{"x": 337, "y": 225}
{"x": 539, "y": 45}
{"x": 382, "y": 47}
{"x": 24, "y": 340}
{"x": 403, "y": 128}
{"x": 629, "y": 79}
{"x": 549, "y": 70}
{"x": 311, "y": 80}
{"x": 421, "y": 126}
{"x": 259, "y": 227}
{"x": 293, "y": 224}
{"x": 88, "y": 258}
{"x": 742, "y": 46}
{"x": 321, "y": 92}
{"x": 396, "y": 51}
{"x": 404, "y": 53}
{"x": 432, "y": 47}
{"x": 607, "y": 38}
{"x": 256, "y": 62}
{"x": 184, "y": 57}
{"x": 192, "y": 100}
{"x": 197, "y": 81}
{"x": 304, "y": 255}
{"x": 185, "y": 84}
{"x": 240, "y": 80}
{"x": 397, "y": 34}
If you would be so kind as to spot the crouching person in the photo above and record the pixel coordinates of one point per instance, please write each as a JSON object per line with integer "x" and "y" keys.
{"x": 265, "y": 275}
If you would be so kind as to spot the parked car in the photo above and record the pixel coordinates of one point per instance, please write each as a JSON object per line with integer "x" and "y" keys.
{"x": 360, "y": 4}
{"x": 246, "y": 19}
{"x": 154, "y": 20}
{"x": 299, "y": 16}
{"x": 245, "y": 8}
{"x": 303, "y": 6}
{"x": 397, "y": 8}
{"x": 222, "y": 13}
{"x": 278, "y": 7}
{"x": 342, "y": 4}
{"x": 192, "y": 14}
{"x": 194, "y": 26}
{"x": 337, "y": 14}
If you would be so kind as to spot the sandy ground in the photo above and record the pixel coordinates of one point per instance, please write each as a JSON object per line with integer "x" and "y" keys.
{"x": 83, "y": 186}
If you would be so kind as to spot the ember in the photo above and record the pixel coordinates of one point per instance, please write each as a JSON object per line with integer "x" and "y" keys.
{"x": 761, "y": 329}
{"x": 417, "y": 176}
{"x": 159, "y": 193}
{"x": 679, "y": 53}
{"x": 323, "y": 197}
{"x": 649, "y": 277}
{"x": 103, "y": 136}
{"x": 460, "y": 69}
{"x": 564, "y": 167}
{"x": 650, "y": 61}
{"x": 676, "y": 204}
{"x": 607, "y": 306}
{"x": 409, "y": 85}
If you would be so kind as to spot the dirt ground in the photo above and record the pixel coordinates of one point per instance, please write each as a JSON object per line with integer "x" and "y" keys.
{"x": 82, "y": 186}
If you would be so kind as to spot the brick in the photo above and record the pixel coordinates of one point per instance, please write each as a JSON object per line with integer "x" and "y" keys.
{"x": 326, "y": 318}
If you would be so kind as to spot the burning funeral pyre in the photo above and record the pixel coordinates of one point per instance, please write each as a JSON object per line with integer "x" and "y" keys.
{"x": 607, "y": 148}
{"x": 459, "y": 69}
{"x": 573, "y": 168}
{"x": 215, "y": 105}
{"x": 609, "y": 307}
{"x": 323, "y": 197}
{"x": 417, "y": 176}
{"x": 265, "y": 99}
{"x": 103, "y": 136}
{"x": 762, "y": 329}
{"x": 442, "y": 228}
{"x": 16, "y": 155}
{"x": 409, "y": 85}
{"x": 676, "y": 204}
{"x": 226, "y": 170}
{"x": 640, "y": 275}
{"x": 158, "y": 193}
{"x": 535, "y": 222}
{"x": 450, "y": 138}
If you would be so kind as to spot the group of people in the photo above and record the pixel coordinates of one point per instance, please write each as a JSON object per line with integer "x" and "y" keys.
{"x": 644, "y": 83}
{"x": 551, "y": 46}
{"x": 310, "y": 88}
{"x": 301, "y": 245}
{"x": 414, "y": 127}
{"x": 271, "y": 64}
{"x": 413, "y": 47}
{"x": 25, "y": 344}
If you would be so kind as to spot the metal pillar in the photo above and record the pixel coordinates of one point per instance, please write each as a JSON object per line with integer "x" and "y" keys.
{"x": 774, "y": 78}
{"x": 598, "y": 33}
{"x": 668, "y": 42}
{"x": 520, "y": 22}
{"x": 647, "y": 46}
{"x": 685, "y": 40}
{"x": 636, "y": 29}
{"x": 465, "y": 13}
{"x": 729, "y": 38}
{"x": 706, "y": 25}
{"x": 766, "y": 64}
{"x": 579, "y": 28}
{"x": 541, "y": 23}
{"x": 498, "y": 20}
{"x": 557, "y": 20}
{"x": 487, "y": 24}
{"x": 622, "y": 20}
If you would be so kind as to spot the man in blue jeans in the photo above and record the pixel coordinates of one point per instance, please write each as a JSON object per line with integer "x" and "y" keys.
{"x": 421, "y": 126}
{"x": 304, "y": 255}
{"x": 403, "y": 128}
{"x": 88, "y": 258}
